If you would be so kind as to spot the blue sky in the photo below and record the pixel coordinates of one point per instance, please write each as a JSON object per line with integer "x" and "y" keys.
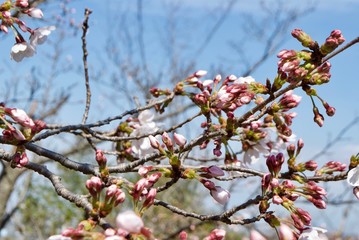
{"x": 342, "y": 91}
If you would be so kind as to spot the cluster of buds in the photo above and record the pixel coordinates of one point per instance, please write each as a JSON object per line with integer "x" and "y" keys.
{"x": 168, "y": 143}
{"x": 277, "y": 113}
{"x": 19, "y": 116}
{"x": 291, "y": 68}
{"x": 144, "y": 189}
{"x": 306, "y": 65}
{"x": 332, "y": 42}
{"x": 236, "y": 92}
{"x": 331, "y": 167}
{"x": 22, "y": 48}
{"x": 286, "y": 193}
{"x": 113, "y": 196}
{"x": 18, "y": 137}
{"x": 274, "y": 164}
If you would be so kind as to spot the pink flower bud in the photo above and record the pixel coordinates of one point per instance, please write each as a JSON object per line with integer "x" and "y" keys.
{"x": 154, "y": 142}
{"x": 20, "y": 159}
{"x": 22, "y": 3}
{"x": 120, "y": 197}
{"x": 20, "y": 117}
{"x": 167, "y": 141}
{"x": 216, "y": 234}
{"x": 300, "y": 143}
{"x": 153, "y": 178}
{"x": 208, "y": 184}
{"x": 130, "y": 222}
{"x": 220, "y": 195}
{"x": 311, "y": 165}
{"x": 100, "y": 158}
{"x": 304, "y": 38}
{"x": 200, "y": 73}
{"x": 142, "y": 171}
{"x": 150, "y": 198}
{"x": 180, "y": 140}
{"x": 111, "y": 191}
{"x": 183, "y": 235}
{"x": 34, "y": 12}
{"x": 277, "y": 200}
{"x": 94, "y": 185}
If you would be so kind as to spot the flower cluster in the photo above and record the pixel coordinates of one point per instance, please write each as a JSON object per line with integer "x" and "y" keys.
{"x": 18, "y": 136}
{"x": 22, "y": 48}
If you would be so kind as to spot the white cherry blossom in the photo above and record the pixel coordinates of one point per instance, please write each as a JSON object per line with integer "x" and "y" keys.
{"x": 39, "y": 35}
{"x": 21, "y": 50}
{"x": 313, "y": 233}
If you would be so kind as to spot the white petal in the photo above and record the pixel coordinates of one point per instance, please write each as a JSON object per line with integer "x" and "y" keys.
{"x": 353, "y": 176}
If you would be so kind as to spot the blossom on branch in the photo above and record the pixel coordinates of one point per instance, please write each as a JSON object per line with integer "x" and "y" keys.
{"x": 130, "y": 222}
{"x": 145, "y": 126}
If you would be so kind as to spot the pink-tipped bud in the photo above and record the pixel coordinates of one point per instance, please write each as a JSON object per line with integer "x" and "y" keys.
{"x": 100, "y": 158}
{"x": 310, "y": 165}
{"x": 20, "y": 159}
{"x": 20, "y": 117}
{"x": 200, "y": 73}
{"x": 216, "y": 234}
{"x": 34, "y": 12}
{"x": 167, "y": 141}
{"x": 150, "y": 198}
{"x": 208, "y": 184}
{"x": 153, "y": 178}
{"x": 180, "y": 140}
{"x": 154, "y": 142}
{"x": 303, "y": 38}
{"x": 277, "y": 199}
{"x": 183, "y": 235}
{"x": 142, "y": 171}
{"x": 22, "y": 3}
{"x": 94, "y": 185}
{"x": 318, "y": 118}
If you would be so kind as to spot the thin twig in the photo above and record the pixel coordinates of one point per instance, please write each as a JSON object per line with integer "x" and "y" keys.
{"x": 85, "y": 27}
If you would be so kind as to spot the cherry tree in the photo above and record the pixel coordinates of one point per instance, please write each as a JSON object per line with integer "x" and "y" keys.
{"x": 243, "y": 122}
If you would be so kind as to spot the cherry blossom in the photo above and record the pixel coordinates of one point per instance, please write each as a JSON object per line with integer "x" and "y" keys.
{"x": 251, "y": 156}
{"x": 313, "y": 233}
{"x": 21, "y": 50}
{"x": 39, "y": 35}
{"x": 146, "y": 126}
